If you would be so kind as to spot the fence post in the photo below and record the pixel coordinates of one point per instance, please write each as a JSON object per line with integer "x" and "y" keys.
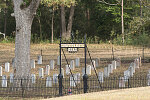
{"x": 85, "y": 77}
{"x": 143, "y": 53}
{"x": 60, "y": 77}
{"x": 41, "y": 52}
{"x": 128, "y": 83}
{"x": 22, "y": 88}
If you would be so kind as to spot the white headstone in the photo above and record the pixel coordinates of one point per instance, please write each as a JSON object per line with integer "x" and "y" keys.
{"x": 121, "y": 82}
{"x": 148, "y": 79}
{"x": 149, "y": 72}
{"x": 126, "y": 75}
{"x": 33, "y": 78}
{"x": 118, "y": 63}
{"x": 52, "y": 64}
{"x": 110, "y": 68}
{"x": 4, "y": 81}
{"x": 88, "y": 70}
{"x": 58, "y": 60}
{"x": 93, "y": 64}
{"x": 72, "y": 65}
{"x": 41, "y": 74}
{"x": 77, "y": 77}
{"x": 48, "y": 81}
{"x": 97, "y": 62}
{"x": 114, "y": 64}
{"x": 32, "y": 63}
{"x": 55, "y": 78}
{"x": 136, "y": 61}
{"x": 132, "y": 65}
{"x": 77, "y": 62}
{"x": 72, "y": 82}
{"x": 1, "y": 70}
{"x": 11, "y": 77}
{"x": 106, "y": 73}
{"x": 7, "y": 65}
{"x": 39, "y": 60}
{"x": 47, "y": 69}
{"x": 67, "y": 69}
{"x": 101, "y": 77}
{"x": 131, "y": 71}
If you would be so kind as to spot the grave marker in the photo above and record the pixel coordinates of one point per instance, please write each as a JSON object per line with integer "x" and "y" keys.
{"x": 32, "y": 63}
{"x": 4, "y": 81}
{"x": 41, "y": 75}
{"x": 33, "y": 78}
{"x": 114, "y": 64}
{"x": 11, "y": 77}
{"x": 52, "y": 64}
{"x": 67, "y": 69}
{"x": 97, "y": 62}
{"x": 77, "y": 62}
{"x": 39, "y": 60}
{"x": 58, "y": 60}
{"x": 47, "y": 69}
{"x": 93, "y": 65}
{"x": 121, "y": 82}
{"x": 148, "y": 79}
{"x": 7, "y": 65}
{"x": 106, "y": 74}
{"x": 101, "y": 77}
{"x": 48, "y": 81}
{"x": 55, "y": 78}
{"x": 72, "y": 83}
{"x": 77, "y": 77}
{"x": 72, "y": 65}
{"x": 1, "y": 70}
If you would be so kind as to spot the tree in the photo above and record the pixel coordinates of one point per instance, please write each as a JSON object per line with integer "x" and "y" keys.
{"x": 65, "y": 32}
{"x": 24, "y": 12}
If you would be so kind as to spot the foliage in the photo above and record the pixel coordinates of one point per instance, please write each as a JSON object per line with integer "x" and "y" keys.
{"x": 101, "y": 22}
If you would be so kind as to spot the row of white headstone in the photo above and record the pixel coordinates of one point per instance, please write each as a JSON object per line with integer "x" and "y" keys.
{"x": 7, "y": 68}
{"x": 108, "y": 70}
{"x": 131, "y": 70}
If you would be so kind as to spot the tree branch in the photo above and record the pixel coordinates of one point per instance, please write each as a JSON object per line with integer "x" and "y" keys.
{"x": 103, "y": 1}
{"x": 33, "y": 6}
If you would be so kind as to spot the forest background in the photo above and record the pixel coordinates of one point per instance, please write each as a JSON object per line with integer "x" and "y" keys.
{"x": 100, "y": 20}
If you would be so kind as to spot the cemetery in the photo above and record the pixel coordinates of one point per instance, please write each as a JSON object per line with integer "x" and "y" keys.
{"x": 104, "y": 72}
{"x": 55, "y": 48}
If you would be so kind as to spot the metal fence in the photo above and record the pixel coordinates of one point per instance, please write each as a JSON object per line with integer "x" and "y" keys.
{"x": 41, "y": 89}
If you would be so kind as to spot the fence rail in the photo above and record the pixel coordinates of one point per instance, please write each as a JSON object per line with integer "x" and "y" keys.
{"x": 41, "y": 89}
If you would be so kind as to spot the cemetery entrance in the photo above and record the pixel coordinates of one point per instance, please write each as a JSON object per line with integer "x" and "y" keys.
{"x": 75, "y": 81}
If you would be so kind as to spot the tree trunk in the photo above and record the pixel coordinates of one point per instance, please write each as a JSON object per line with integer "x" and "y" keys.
{"x": 123, "y": 37}
{"x": 40, "y": 26}
{"x": 24, "y": 18}
{"x": 53, "y": 26}
{"x": 63, "y": 22}
{"x": 69, "y": 27}
{"x": 5, "y": 20}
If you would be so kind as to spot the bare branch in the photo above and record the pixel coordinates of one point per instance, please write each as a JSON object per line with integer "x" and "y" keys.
{"x": 103, "y": 1}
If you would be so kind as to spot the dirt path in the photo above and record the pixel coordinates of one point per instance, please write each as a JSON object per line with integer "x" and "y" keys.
{"x": 126, "y": 94}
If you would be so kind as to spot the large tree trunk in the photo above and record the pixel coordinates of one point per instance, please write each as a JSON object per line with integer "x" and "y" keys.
{"x": 69, "y": 27}
{"x": 63, "y": 22}
{"x": 24, "y": 18}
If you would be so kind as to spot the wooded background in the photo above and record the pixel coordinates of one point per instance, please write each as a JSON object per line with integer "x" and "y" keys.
{"x": 99, "y": 19}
